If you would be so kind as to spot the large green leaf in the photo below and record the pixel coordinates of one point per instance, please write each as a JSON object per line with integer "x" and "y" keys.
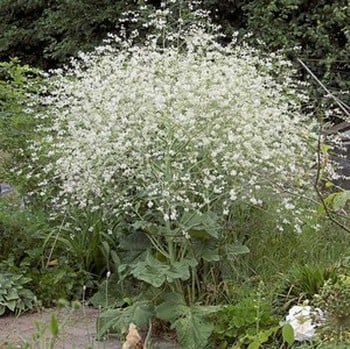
{"x": 288, "y": 333}
{"x": 206, "y": 250}
{"x": 11, "y": 305}
{"x": 118, "y": 320}
{"x": 340, "y": 200}
{"x": 178, "y": 270}
{"x": 12, "y": 295}
{"x": 193, "y": 328}
{"x": 151, "y": 271}
{"x": 155, "y": 272}
{"x": 172, "y": 307}
{"x": 201, "y": 226}
{"x": 234, "y": 250}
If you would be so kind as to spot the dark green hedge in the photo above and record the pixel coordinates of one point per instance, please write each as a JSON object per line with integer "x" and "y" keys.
{"x": 316, "y": 31}
{"x": 44, "y": 33}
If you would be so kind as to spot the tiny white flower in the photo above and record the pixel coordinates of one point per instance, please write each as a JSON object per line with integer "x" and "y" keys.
{"x": 233, "y": 195}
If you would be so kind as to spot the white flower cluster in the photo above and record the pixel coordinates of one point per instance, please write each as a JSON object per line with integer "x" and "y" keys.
{"x": 180, "y": 129}
{"x": 304, "y": 321}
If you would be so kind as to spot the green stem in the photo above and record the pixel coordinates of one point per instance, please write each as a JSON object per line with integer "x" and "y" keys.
{"x": 158, "y": 246}
{"x": 193, "y": 286}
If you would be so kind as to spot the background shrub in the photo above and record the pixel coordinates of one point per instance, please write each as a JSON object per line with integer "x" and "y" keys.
{"x": 18, "y": 123}
{"x": 315, "y": 31}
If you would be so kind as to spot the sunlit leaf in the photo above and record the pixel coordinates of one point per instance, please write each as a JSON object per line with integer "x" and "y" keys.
{"x": 288, "y": 333}
{"x": 155, "y": 272}
{"x": 340, "y": 200}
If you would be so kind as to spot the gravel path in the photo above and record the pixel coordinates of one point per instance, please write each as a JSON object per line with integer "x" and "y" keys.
{"x": 77, "y": 329}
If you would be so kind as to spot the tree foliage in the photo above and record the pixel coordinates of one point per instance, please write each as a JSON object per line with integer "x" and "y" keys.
{"x": 318, "y": 32}
{"x": 45, "y": 33}
{"x": 18, "y": 83}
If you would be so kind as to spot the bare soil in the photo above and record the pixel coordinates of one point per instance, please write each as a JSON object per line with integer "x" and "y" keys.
{"x": 77, "y": 329}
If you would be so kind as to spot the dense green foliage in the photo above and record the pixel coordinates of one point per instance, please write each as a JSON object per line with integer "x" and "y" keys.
{"x": 318, "y": 32}
{"x": 47, "y": 32}
{"x": 15, "y": 295}
{"x": 44, "y": 33}
{"x": 171, "y": 195}
{"x": 18, "y": 84}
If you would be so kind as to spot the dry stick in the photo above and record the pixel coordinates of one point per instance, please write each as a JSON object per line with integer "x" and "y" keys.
{"x": 343, "y": 106}
{"x": 55, "y": 242}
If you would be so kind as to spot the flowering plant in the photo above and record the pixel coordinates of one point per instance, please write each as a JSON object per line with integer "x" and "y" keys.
{"x": 168, "y": 140}
{"x": 304, "y": 321}
{"x": 163, "y": 142}
{"x": 183, "y": 131}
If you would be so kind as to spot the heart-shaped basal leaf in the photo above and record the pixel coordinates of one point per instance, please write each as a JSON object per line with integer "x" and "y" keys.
{"x": 12, "y": 295}
{"x": 136, "y": 240}
{"x": 234, "y": 250}
{"x": 206, "y": 250}
{"x": 201, "y": 226}
{"x": 172, "y": 307}
{"x": 155, "y": 272}
{"x": 191, "y": 323}
{"x": 118, "y": 320}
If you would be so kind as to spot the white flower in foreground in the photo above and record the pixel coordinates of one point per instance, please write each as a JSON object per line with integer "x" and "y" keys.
{"x": 304, "y": 321}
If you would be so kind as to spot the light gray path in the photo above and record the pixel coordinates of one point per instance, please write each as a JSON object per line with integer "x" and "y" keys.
{"x": 77, "y": 329}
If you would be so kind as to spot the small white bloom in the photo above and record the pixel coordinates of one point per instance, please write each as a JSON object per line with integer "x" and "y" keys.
{"x": 233, "y": 195}
{"x": 173, "y": 215}
{"x": 186, "y": 234}
{"x": 253, "y": 200}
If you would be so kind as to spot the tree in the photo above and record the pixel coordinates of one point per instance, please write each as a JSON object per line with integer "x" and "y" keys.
{"x": 46, "y": 33}
{"x": 318, "y": 32}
